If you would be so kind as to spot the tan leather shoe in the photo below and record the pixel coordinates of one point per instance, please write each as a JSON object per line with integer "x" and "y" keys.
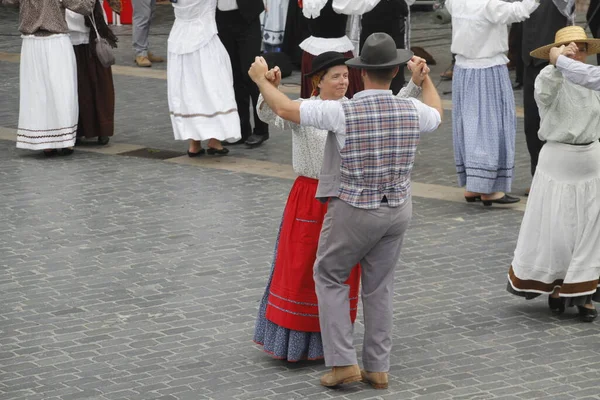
{"x": 154, "y": 58}
{"x": 143, "y": 61}
{"x": 341, "y": 375}
{"x": 379, "y": 380}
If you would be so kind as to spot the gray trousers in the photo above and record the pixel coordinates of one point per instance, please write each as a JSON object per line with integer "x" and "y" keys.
{"x": 143, "y": 11}
{"x": 373, "y": 237}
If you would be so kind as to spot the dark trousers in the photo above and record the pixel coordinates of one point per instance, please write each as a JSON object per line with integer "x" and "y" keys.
{"x": 532, "y": 115}
{"x": 515, "y": 40}
{"x": 594, "y": 21}
{"x": 242, "y": 41}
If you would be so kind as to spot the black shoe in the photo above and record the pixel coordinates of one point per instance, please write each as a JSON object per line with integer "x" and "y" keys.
{"x": 241, "y": 141}
{"x": 66, "y": 152}
{"x": 472, "y": 199}
{"x": 506, "y": 199}
{"x": 256, "y": 140}
{"x": 219, "y": 152}
{"x": 50, "y": 152}
{"x": 103, "y": 140}
{"x": 196, "y": 154}
{"x": 587, "y": 314}
{"x": 556, "y": 304}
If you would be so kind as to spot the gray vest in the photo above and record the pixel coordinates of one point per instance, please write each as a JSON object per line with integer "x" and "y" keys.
{"x": 329, "y": 178}
{"x": 539, "y": 30}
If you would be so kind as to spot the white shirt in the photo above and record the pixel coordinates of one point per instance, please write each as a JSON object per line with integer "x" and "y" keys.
{"x": 312, "y": 8}
{"x": 569, "y": 113}
{"x": 329, "y": 115}
{"x": 227, "y": 5}
{"x": 480, "y": 29}
{"x": 579, "y": 73}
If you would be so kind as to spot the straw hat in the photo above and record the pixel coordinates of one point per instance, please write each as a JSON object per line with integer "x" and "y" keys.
{"x": 565, "y": 36}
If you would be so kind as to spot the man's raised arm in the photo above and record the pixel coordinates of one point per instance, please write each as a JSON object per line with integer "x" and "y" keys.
{"x": 277, "y": 101}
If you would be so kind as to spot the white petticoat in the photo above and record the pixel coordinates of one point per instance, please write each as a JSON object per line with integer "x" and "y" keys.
{"x": 317, "y": 46}
{"x": 560, "y": 233}
{"x": 201, "y": 96}
{"x": 48, "y": 104}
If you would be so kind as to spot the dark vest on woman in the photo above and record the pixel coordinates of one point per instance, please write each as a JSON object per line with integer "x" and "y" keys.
{"x": 539, "y": 30}
{"x": 388, "y": 17}
{"x": 329, "y": 24}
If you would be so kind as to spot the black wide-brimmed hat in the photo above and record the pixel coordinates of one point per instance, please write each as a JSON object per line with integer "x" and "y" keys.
{"x": 325, "y": 61}
{"x": 379, "y": 52}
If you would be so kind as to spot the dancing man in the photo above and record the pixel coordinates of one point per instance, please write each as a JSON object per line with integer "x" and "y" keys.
{"x": 369, "y": 155}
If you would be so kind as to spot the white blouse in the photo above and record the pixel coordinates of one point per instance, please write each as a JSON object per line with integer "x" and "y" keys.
{"x": 308, "y": 143}
{"x": 78, "y": 31}
{"x": 480, "y": 29}
{"x": 569, "y": 113}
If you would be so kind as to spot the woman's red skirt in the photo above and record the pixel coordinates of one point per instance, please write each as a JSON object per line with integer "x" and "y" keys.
{"x": 292, "y": 300}
{"x": 355, "y": 83}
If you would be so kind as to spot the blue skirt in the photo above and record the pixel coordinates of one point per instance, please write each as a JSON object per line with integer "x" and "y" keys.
{"x": 282, "y": 343}
{"x": 484, "y": 126}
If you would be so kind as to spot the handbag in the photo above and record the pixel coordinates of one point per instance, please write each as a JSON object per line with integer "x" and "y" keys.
{"x": 104, "y": 51}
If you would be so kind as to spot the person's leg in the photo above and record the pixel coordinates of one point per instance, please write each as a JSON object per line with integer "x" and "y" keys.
{"x": 229, "y": 32}
{"x": 142, "y": 14}
{"x": 377, "y": 272}
{"x": 532, "y": 116}
{"x": 348, "y": 233}
{"x": 249, "y": 43}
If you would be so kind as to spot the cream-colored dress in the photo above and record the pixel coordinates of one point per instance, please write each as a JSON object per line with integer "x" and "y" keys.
{"x": 559, "y": 241}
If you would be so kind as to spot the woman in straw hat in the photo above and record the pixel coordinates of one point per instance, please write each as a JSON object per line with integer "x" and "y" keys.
{"x": 557, "y": 252}
{"x": 484, "y": 121}
{"x": 287, "y": 325}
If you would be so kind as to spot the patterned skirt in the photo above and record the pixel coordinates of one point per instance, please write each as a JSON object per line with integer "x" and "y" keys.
{"x": 484, "y": 126}
{"x": 287, "y": 325}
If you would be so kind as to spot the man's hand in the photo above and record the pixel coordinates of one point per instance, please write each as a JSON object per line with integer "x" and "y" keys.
{"x": 418, "y": 67}
{"x": 258, "y": 70}
{"x": 274, "y": 76}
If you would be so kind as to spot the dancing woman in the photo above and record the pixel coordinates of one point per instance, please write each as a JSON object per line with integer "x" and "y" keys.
{"x": 557, "y": 252}
{"x": 288, "y": 325}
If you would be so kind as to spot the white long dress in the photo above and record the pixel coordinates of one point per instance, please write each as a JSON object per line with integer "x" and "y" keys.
{"x": 199, "y": 76}
{"x": 559, "y": 241}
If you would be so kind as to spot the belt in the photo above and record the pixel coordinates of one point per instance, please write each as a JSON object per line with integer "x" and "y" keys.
{"x": 580, "y": 144}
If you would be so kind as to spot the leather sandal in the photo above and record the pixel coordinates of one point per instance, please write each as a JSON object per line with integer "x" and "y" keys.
{"x": 196, "y": 154}
{"x": 219, "y": 152}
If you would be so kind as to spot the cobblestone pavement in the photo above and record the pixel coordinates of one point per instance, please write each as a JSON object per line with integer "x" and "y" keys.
{"x": 130, "y": 278}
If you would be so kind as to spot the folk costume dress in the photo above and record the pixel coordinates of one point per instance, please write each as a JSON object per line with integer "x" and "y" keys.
{"x": 484, "y": 122}
{"x": 48, "y": 103}
{"x": 327, "y": 22}
{"x": 95, "y": 88}
{"x": 287, "y": 325}
{"x": 560, "y": 232}
{"x": 199, "y": 76}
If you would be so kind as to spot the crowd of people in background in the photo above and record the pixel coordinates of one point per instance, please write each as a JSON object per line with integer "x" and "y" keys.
{"x": 355, "y": 132}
